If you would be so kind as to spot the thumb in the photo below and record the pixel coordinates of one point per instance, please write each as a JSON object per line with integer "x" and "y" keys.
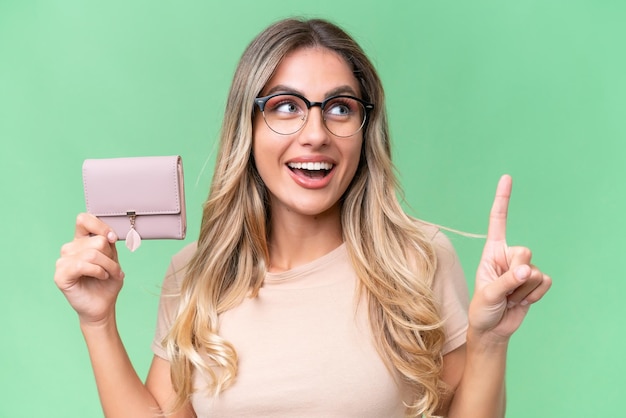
{"x": 518, "y": 256}
{"x": 496, "y": 291}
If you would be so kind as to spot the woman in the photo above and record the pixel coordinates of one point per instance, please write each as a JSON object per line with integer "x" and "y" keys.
{"x": 309, "y": 291}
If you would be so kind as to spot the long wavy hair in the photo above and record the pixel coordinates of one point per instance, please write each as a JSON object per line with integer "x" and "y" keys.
{"x": 393, "y": 259}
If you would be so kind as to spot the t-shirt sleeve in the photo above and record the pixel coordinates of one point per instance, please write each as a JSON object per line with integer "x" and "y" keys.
{"x": 170, "y": 295}
{"x": 451, "y": 293}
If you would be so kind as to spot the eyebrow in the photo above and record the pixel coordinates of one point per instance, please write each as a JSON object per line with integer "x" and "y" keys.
{"x": 345, "y": 89}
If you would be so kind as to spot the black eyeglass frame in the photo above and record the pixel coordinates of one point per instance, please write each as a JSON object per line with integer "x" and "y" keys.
{"x": 262, "y": 101}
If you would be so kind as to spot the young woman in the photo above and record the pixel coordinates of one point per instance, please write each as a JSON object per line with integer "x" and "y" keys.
{"x": 309, "y": 292}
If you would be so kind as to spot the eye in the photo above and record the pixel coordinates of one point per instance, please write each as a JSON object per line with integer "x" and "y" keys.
{"x": 285, "y": 106}
{"x": 342, "y": 107}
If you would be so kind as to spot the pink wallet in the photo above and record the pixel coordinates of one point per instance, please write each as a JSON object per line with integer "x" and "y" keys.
{"x": 139, "y": 197}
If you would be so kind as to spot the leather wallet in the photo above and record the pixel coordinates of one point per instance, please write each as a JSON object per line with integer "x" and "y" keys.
{"x": 139, "y": 197}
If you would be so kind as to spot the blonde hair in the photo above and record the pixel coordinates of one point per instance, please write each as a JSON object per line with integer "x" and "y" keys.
{"x": 393, "y": 258}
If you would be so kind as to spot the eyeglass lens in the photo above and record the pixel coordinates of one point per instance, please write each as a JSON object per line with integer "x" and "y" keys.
{"x": 286, "y": 114}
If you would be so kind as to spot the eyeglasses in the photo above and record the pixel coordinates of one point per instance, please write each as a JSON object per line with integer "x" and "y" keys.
{"x": 286, "y": 113}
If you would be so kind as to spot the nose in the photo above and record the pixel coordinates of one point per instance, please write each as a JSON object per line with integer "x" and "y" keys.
{"x": 314, "y": 132}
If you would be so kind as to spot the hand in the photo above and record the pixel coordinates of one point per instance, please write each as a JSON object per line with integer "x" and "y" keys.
{"x": 507, "y": 283}
{"x": 88, "y": 272}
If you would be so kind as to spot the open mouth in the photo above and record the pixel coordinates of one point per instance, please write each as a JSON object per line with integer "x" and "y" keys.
{"x": 316, "y": 170}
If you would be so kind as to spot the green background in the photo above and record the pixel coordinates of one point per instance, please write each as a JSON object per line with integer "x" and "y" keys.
{"x": 475, "y": 89}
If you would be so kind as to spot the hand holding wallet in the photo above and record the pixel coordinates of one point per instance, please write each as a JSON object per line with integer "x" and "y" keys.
{"x": 138, "y": 197}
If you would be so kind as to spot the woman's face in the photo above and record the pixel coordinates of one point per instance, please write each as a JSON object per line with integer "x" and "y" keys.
{"x": 284, "y": 161}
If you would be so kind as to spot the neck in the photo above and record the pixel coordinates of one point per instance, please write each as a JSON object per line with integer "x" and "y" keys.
{"x": 297, "y": 239}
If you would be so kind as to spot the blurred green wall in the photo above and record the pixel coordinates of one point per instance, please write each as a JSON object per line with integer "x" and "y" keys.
{"x": 475, "y": 89}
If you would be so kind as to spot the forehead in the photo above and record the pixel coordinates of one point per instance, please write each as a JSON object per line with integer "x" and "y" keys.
{"x": 313, "y": 71}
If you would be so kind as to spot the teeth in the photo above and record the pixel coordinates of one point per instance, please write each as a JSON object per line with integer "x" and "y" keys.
{"x": 311, "y": 166}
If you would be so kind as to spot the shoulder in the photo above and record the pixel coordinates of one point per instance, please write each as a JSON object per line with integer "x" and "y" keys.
{"x": 448, "y": 271}
{"x": 429, "y": 230}
{"x": 170, "y": 297}
{"x": 182, "y": 258}
{"x": 178, "y": 267}
{"x": 442, "y": 246}
{"x": 449, "y": 288}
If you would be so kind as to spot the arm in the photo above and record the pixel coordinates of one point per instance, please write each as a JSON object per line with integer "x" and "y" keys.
{"x": 506, "y": 285}
{"x": 481, "y": 371}
{"x": 481, "y": 389}
{"x": 121, "y": 391}
{"x": 89, "y": 275}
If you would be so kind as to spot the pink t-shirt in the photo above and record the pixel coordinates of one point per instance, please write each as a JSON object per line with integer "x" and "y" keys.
{"x": 305, "y": 348}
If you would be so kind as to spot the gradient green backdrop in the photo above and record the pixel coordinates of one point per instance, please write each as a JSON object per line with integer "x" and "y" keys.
{"x": 475, "y": 89}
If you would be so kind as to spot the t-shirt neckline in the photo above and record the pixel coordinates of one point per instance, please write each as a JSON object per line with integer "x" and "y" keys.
{"x": 305, "y": 269}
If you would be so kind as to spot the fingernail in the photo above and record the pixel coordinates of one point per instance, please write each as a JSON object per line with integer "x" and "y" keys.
{"x": 112, "y": 237}
{"x": 510, "y": 304}
{"x": 122, "y": 275}
{"x": 524, "y": 302}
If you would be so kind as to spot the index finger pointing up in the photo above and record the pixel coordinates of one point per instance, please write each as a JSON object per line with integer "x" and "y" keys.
{"x": 499, "y": 210}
